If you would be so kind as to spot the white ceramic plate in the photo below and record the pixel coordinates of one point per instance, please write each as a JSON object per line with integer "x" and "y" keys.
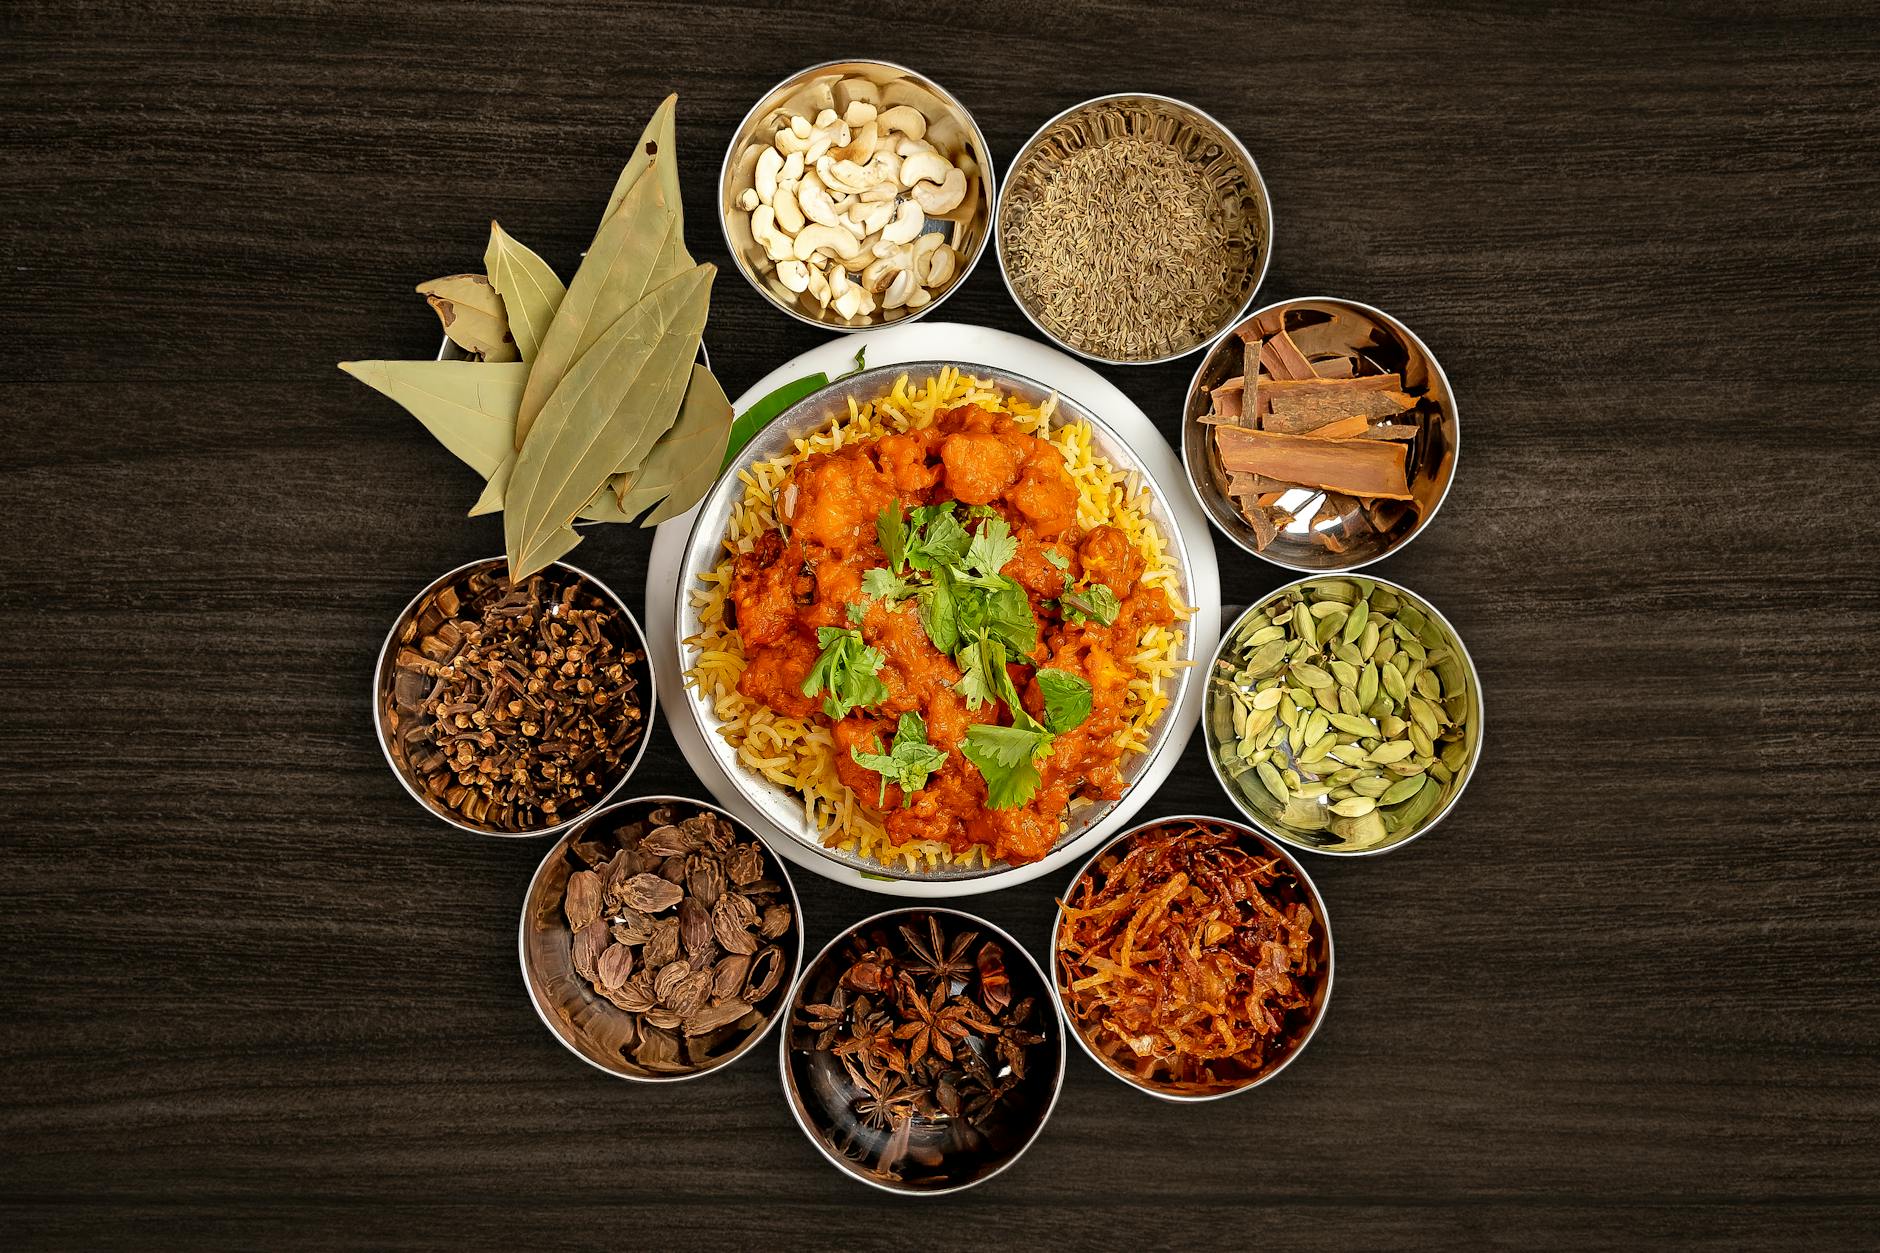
{"x": 926, "y": 341}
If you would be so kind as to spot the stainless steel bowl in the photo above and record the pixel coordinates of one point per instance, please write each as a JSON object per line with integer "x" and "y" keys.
{"x": 950, "y": 128}
{"x": 383, "y": 676}
{"x": 1472, "y": 737}
{"x": 1433, "y": 467}
{"x": 556, "y": 989}
{"x": 705, "y": 546}
{"x": 1210, "y": 141}
{"x": 1322, "y": 996}
{"x": 813, "y": 1110}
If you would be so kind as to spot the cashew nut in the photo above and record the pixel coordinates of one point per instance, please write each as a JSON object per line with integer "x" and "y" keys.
{"x": 908, "y": 220}
{"x": 881, "y": 271}
{"x": 843, "y": 176}
{"x": 870, "y": 216}
{"x": 793, "y": 274}
{"x": 789, "y": 213}
{"x": 907, "y": 146}
{"x": 859, "y": 113}
{"x": 769, "y": 161}
{"x": 937, "y": 200}
{"x": 930, "y": 166}
{"x": 904, "y": 285}
{"x": 860, "y": 148}
{"x": 834, "y": 240}
{"x": 853, "y": 90}
{"x": 792, "y": 169}
{"x": 747, "y": 199}
{"x": 819, "y": 287}
{"x": 907, "y": 120}
{"x": 940, "y": 266}
{"x": 777, "y": 246}
{"x": 815, "y": 203}
{"x": 881, "y": 193}
{"x": 920, "y": 297}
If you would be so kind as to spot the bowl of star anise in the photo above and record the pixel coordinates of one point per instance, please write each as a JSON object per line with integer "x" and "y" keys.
{"x": 660, "y": 938}
{"x": 923, "y": 1052}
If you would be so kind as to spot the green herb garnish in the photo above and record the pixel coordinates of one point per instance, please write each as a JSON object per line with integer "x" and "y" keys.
{"x": 908, "y": 762}
{"x": 1066, "y": 699}
{"x": 1005, "y": 757}
{"x": 1092, "y": 602}
{"x": 847, "y": 670}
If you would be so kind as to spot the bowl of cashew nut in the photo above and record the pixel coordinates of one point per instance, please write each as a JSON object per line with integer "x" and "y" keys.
{"x": 856, "y": 194}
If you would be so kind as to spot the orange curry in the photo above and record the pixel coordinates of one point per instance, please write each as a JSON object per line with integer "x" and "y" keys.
{"x": 808, "y": 577}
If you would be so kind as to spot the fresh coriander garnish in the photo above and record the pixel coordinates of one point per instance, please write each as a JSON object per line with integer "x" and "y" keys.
{"x": 1005, "y": 757}
{"x": 883, "y": 584}
{"x": 891, "y": 534}
{"x": 1093, "y": 602}
{"x": 989, "y": 551}
{"x": 908, "y": 762}
{"x": 1066, "y": 699}
{"x": 938, "y": 538}
{"x": 847, "y": 670}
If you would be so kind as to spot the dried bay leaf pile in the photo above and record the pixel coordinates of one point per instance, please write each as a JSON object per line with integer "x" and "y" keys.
{"x": 584, "y": 402}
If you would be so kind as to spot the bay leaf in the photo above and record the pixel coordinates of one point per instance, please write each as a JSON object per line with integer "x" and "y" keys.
{"x": 496, "y": 488}
{"x": 657, "y": 139}
{"x": 620, "y": 396}
{"x": 470, "y": 406}
{"x": 529, "y": 289}
{"x": 637, "y": 248}
{"x": 683, "y": 464}
{"x": 472, "y": 313}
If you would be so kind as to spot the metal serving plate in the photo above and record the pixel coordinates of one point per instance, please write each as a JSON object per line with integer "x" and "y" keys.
{"x": 783, "y": 807}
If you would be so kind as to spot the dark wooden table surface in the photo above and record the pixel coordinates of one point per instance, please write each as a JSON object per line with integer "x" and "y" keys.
{"x": 254, "y": 998}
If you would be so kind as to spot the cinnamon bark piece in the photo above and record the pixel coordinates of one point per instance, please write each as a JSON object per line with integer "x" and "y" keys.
{"x": 1358, "y": 467}
{"x": 1391, "y": 430}
{"x": 1255, "y": 485}
{"x": 1340, "y": 333}
{"x": 1334, "y": 367}
{"x": 1227, "y": 403}
{"x": 1344, "y": 428}
{"x": 1282, "y": 358}
{"x": 1296, "y": 409}
{"x": 1265, "y": 530}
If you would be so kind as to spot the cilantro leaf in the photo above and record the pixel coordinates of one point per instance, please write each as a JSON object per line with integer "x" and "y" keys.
{"x": 848, "y": 670}
{"x": 1066, "y": 699}
{"x": 992, "y": 548}
{"x": 857, "y": 610}
{"x": 1093, "y": 602}
{"x": 883, "y": 584}
{"x": 980, "y": 663}
{"x": 909, "y": 762}
{"x": 891, "y": 532}
{"x": 1005, "y": 757}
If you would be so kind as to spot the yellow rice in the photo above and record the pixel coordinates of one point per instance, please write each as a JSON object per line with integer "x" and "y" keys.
{"x": 799, "y": 753}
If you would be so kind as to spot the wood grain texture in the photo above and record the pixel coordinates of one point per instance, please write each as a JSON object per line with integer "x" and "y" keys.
{"x": 255, "y": 999}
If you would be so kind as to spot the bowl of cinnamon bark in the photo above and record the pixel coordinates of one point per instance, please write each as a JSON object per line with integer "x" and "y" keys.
{"x": 513, "y": 709}
{"x": 1320, "y": 434}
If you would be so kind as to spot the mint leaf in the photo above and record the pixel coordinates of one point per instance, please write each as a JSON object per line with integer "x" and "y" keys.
{"x": 1066, "y": 699}
{"x": 939, "y": 612}
{"x": 1093, "y": 602}
{"x": 940, "y": 539}
{"x": 891, "y": 533}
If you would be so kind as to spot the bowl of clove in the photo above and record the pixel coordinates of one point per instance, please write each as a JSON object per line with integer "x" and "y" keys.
{"x": 1320, "y": 434}
{"x": 924, "y": 1052}
{"x": 659, "y": 939}
{"x": 513, "y": 710}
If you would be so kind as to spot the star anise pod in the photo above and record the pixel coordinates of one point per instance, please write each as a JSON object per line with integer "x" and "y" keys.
{"x": 936, "y": 1024}
{"x": 823, "y": 1021}
{"x": 934, "y": 958}
{"x": 885, "y": 1104}
{"x": 870, "y": 1042}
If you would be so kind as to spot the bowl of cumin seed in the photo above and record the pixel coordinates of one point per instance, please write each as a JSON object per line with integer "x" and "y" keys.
{"x": 513, "y": 709}
{"x": 1133, "y": 229}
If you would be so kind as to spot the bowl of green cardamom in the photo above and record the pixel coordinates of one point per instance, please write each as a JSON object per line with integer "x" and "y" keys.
{"x": 1344, "y": 715}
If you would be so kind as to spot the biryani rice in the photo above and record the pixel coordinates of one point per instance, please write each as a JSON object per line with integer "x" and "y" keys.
{"x": 799, "y": 753}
